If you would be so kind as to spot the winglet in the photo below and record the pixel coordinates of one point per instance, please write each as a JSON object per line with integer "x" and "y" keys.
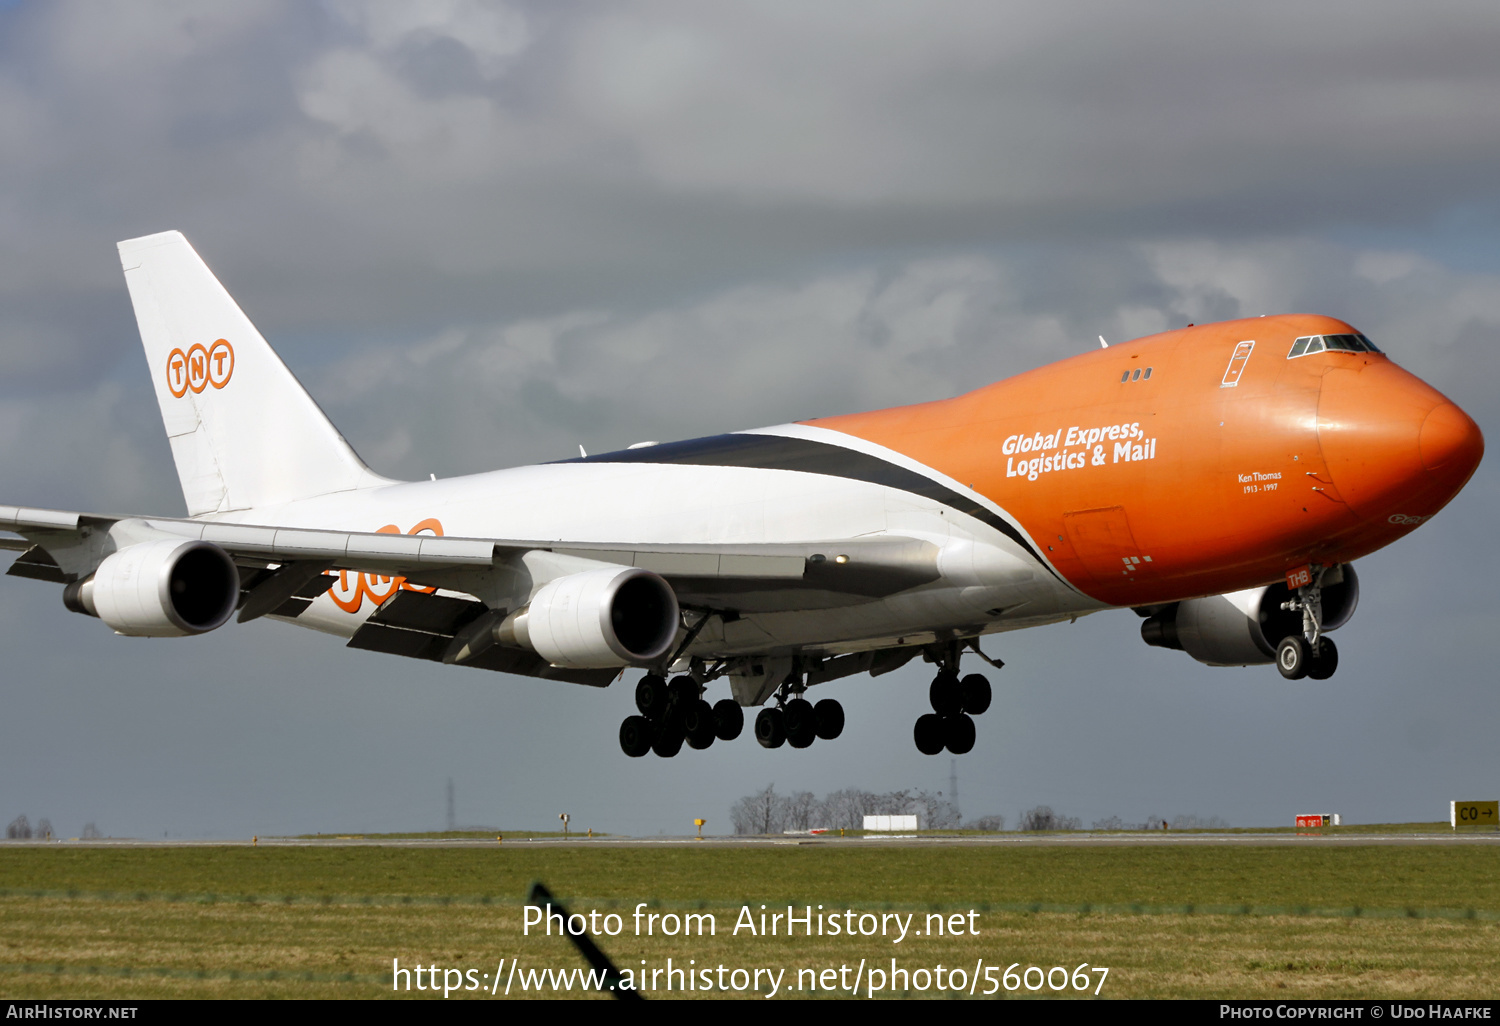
{"x": 1103, "y": 344}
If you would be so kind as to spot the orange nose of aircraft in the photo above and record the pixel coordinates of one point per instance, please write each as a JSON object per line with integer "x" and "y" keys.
{"x": 1394, "y": 445}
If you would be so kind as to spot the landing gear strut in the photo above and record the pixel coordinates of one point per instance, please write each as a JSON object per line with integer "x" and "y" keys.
{"x": 1308, "y": 654}
{"x": 955, "y": 700}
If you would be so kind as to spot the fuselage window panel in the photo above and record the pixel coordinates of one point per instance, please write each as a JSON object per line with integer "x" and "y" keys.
{"x": 1147, "y": 376}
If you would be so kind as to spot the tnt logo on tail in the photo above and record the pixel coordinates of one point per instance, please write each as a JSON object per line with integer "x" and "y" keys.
{"x": 199, "y": 367}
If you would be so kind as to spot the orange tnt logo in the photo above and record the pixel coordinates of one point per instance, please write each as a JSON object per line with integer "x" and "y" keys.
{"x": 351, "y": 589}
{"x": 199, "y": 367}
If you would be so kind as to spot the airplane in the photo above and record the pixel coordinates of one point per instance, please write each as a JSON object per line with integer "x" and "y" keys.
{"x": 1219, "y": 480}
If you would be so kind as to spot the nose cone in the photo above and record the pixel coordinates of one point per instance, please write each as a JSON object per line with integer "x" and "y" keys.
{"x": 1394, "y": 445}
{"x": 1450, "y": 442}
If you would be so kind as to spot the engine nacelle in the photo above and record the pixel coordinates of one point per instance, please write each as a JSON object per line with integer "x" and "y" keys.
{"x": 160, "y": 589}
{"x": 1244, "y": 627}
{"x": 613, "y": 616}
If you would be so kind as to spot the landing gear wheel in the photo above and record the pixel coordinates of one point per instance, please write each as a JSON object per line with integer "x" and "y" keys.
{"x": 699, "y": 724}
{"x": 635, "y": 736}
{"x": 1293, "y": 657}
{"x": 975, "y": 693}
{"x": 770, "y": 728}
{"x": 928, "y": 734}
{"x": 945, "y": 696}
{"x": 729, "y": 719}
{"x": 958, "y": 734}
{"x": 668, "y": 740}
{"x": 651, "y": 695}
{"x": 1325, "y": 662}
{"x": 829, "y": 715}
{"x": 801, "y": 723}
{"x": 684, "y": 690}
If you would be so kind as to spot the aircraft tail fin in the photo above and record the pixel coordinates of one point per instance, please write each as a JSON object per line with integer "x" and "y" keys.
{"x": 244, "y": 431}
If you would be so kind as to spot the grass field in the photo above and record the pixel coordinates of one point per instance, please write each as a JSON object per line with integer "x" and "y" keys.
{"x": 176, "y": 918}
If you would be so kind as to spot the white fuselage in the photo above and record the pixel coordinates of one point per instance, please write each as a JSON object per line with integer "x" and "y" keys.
{"x": 987, "y": 582}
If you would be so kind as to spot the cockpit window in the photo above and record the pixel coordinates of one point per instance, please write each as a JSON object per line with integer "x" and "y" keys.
{"x": 1310, "y": 344}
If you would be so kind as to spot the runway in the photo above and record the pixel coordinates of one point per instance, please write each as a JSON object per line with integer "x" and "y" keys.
{"x": 1079, "y": 839}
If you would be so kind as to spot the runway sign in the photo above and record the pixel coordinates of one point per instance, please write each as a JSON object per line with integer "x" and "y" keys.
{"x": 1473, "y": 814}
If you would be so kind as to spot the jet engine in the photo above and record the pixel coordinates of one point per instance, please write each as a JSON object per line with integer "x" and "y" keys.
{"x": 160, "y": 589}
{"x": 613, "y": 616}
{"x": 1244, "y": 627}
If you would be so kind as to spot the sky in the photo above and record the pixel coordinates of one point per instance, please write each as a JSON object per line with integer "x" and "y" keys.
{"x": 485, "y": 234}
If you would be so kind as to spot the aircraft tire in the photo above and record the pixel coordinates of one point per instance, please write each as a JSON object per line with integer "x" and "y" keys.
{"x": 729, "y": 719}
{"x": 1325, "y": 662}
{"x": 668, "y": 740}
{"x": 958, "y": 734}
{"x": 635, "y": 736}
{"x": 928, "y": 733}
{"x": 829, "y": 716}
{"x": 801, "y": 723}
{"x": 770, "y": 728}
{"x": 976, "y": 693}
{"x": 651, "y": 695}
{"x": 684, "y": 690}
{"x": 944, "y": 694}
{"x": 1293, "y": 657}
{"x": 699, "y": 724}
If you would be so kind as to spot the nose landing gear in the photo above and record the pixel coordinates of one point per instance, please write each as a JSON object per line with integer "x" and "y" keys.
{"x": 1309, "y": 654}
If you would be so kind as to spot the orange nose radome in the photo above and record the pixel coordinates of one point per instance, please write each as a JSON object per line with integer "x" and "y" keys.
{"x": 1450, "y": 441}
{"x": 1394, "y": 445}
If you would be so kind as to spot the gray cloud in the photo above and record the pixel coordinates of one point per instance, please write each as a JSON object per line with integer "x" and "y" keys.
{"x": 369, "y": 169}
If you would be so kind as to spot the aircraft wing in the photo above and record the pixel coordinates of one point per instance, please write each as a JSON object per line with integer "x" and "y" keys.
{"x": 64, "y": 546}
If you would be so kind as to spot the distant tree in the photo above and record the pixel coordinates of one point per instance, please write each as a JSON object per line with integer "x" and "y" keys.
{"x": 847, "y": 809}
{"x": 989, "y": 824}
{"x": 767, "y": 812}
{"x": 759, "y": 813}
{"x": 44, "y": 828}
{"x": 90, "y": 832}
{"x": 892, "y": 803}
{"x": 801, "y": 811}
{"x": 1043, "y": 818}
{"x": 19, "y": 829}
{"x": 935, "y": 811}
{"x": 1192, "y": 822}
{"x": 1112, "y": 823}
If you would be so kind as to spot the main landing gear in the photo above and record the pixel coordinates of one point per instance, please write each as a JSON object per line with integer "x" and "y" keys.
{"x": 674, "y": 712}
{"x": 1308, "y": 654}
{"x": 954, "y": 701}
{"x": 798, "y": 722}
